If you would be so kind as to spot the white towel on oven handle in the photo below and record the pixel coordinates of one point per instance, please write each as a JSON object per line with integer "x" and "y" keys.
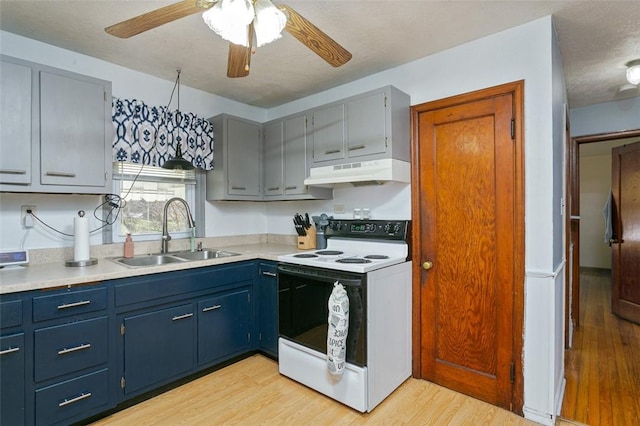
{"x": 338, "y": 329}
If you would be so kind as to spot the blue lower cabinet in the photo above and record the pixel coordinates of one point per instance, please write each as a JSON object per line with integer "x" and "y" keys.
{"x": 72, "y": 400}
{"x": 267, "y": 321}
{"x": 12, "y": 377}
{"x": 225, "y": 323}
{"x": 158, "y": 347}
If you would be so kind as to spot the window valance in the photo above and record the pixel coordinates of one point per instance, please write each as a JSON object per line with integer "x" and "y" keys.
{"x": 149, "y": 135}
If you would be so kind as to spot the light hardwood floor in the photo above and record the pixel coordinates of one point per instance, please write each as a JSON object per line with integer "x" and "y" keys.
{"x": 603, "y": 367}
{"x": 602, "y": 370}
{"x": 252, "y": 392}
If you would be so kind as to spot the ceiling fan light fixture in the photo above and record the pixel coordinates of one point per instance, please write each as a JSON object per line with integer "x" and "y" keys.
{"x": 633, "y": 72}
{"x": 268, "y": 23}
{"x": 229, "y": 19}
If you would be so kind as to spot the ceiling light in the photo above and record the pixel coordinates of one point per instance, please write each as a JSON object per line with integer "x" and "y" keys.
{"x": 633, "y": 72}
{"x": 177, "y": 162}
{"x": 230, "y": 18}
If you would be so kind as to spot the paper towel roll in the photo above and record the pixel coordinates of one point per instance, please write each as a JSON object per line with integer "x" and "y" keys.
{"x": 81, "y": 237}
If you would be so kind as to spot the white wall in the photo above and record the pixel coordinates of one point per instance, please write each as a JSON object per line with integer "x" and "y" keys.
{"x": 606, "y": 117}
{"x": 595, "y": 182}
{"x": 522, "y": 53}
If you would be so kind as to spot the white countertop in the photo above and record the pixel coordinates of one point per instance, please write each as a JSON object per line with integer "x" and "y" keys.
{"x": 50, "y": 275}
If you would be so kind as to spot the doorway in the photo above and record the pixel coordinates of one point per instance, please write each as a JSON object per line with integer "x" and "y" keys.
{"x": 573, "y": 195}
{"x": 468, "y": 243}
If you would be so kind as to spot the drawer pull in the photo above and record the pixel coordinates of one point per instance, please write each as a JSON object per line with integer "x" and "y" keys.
{"x": 13, "y": 172}
{"x": 74, "y": 349}
{"x": 211, "y": 308}
{"x": 239, "y": 188}
{"x": 273, "y": 188}
{"x": 61, "y": 174}
{"x": 74, "y": 304}
{"x": 179, "y": 317}
{"x": 331, "y": 151}
{"x": 353, "y": 148}
{"x": 9, "y": 351}
{"x": 76, "y": 399}
{"x": 269, "y": 274}
{"x": 290, "y": 187}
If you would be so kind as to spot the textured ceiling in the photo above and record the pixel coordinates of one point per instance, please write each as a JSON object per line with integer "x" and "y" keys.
{"x": 596, "y": 39}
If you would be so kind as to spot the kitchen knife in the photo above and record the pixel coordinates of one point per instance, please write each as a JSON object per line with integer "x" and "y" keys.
{"x": 297, "y": 226}
{"x": 307, "y": 222}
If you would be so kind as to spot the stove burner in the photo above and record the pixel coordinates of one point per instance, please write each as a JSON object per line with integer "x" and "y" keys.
{"x": 329, "y": 252}
{"x": 376, "y": 256}
{"x": 353, "y": 260}
{"x": 305, "y": 255}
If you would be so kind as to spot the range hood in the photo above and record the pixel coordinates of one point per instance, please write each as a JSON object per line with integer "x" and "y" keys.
{"x": 372, "y": 172}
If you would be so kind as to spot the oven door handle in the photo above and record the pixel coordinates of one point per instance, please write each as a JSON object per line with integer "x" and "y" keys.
{"x": 347, "y": 282}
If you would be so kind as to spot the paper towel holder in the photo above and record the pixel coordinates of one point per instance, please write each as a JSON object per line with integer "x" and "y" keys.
{"x": 87, "y": 262}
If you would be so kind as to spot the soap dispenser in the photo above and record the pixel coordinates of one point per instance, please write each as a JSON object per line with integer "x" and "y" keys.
{"x": 128, "y": 247}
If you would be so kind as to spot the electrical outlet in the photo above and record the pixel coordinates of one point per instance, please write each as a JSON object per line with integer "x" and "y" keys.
{"x": 25, "y": 218}
{"x": 338, "y": 208}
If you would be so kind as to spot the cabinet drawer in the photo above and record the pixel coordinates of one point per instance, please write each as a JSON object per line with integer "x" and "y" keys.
{"x": 10, "y": 313}
{"x": 80, "y": 396}
{"x": 74, "y": 302}
{"x": 71, "y": 347}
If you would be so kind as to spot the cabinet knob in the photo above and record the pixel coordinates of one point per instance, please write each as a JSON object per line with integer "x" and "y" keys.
{"x": 427, "y": 265}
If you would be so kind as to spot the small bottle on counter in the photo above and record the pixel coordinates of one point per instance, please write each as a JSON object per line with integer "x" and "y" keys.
{"x": 128, "y": 247}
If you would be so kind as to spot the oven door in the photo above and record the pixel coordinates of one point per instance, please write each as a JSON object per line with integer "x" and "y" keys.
{"x": 304, "y": 308}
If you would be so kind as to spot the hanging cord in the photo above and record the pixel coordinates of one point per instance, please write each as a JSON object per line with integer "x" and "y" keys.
{"x": 115, "y": 201}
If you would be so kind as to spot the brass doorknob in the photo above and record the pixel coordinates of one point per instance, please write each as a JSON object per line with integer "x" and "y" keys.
{"x": 427, "y": 265}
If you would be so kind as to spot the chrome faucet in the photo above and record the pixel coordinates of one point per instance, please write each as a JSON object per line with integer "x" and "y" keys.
{"x": 165, "y": 231}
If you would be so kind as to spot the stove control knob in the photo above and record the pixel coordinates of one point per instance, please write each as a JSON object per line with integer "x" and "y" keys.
{"x": 387, "y": 228}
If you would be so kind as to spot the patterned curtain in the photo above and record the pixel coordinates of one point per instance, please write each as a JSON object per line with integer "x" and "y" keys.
{"x": 149, "y": 135}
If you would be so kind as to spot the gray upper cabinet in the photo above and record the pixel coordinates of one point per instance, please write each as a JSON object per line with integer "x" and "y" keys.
{"x": 287, "y": 160}
{"x": 273, "y": 160}
{"x": 56, "y": 130}
{"x": 15, "y": 130}
{"x": 328, "y": 132}
{"x": 237, "y": 174}
{"x": 72, "y": 131}
{"x": 375, "y": 125}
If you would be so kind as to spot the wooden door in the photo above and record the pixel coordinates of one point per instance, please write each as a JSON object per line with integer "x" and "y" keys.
{"x": 468, "y": 243}
{"x": 625, "y": 261}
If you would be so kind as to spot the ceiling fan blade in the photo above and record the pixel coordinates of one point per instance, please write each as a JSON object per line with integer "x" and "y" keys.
{"x": 153, "y": 19}
{"x": 316, "y": 40}
{"x": 240, "y": 57}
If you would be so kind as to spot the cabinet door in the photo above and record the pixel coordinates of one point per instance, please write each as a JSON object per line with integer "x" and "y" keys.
{"x": 12, "y": 380}
{"x": 273, "y": 160}
{"x": 328, "y": 133}
{"x": 295, "y": 155}
{"x": 158, "y": 346}
{"x": 224, "y": 325}
{"x": 366, "y": 125}
{"x": 72, "y": 131}
{"x": 15, "y": 132}
{"x": 243, "y": 159}
{"x": 268, "y": 309}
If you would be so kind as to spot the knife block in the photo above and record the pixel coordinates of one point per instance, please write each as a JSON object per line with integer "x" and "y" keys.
{"x": 308, "y": 242}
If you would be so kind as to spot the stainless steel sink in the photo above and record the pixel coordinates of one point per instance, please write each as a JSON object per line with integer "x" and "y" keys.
{"x": 204, "y": 254}
{"x": 178, "y": 257}
{"x": 148, "y": 260}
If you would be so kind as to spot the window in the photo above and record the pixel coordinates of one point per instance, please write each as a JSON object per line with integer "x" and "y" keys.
{"x": 144, "y": 191}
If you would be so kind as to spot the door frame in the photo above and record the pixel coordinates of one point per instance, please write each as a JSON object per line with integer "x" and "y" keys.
{"x": 516, "y": 89}
{"x": 573, "y": 195}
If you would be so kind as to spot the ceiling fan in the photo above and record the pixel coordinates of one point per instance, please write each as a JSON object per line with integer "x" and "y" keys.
{"x": 239, "y": 55}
